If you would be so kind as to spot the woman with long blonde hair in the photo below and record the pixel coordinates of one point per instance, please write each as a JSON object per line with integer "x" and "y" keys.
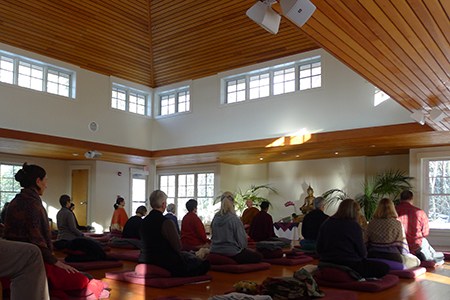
{"x": 228, "y": 234}
{"x": 340, "y": 242}
{"x": 386, "y": 236}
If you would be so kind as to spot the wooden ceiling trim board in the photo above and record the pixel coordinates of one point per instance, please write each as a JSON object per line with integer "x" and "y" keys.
{"x": 436, "y": 23}
{"x": 371, "y": 13}
{"x": 359, "y": 40}
{"x": 150, "y": 43}
{"x": 79, "y": 21}
{"x": 428, "y": 65}
{"x": 245, "y": 40}
{"x": 196, "y": 12}
{"x": 356, "y": 62}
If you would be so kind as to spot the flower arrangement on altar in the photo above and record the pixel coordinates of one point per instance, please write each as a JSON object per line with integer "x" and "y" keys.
{"x": 294, "y": 214}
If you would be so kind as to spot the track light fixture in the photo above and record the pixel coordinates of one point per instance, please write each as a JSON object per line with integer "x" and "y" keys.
{"x": 263, "y": 15}
{"x": 298, "y": 11}
{"x": 436, "y": 115}
{"x": 419, "y": 116}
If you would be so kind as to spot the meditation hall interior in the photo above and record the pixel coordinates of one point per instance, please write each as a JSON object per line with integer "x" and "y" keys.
{"x": 120, "y": 98}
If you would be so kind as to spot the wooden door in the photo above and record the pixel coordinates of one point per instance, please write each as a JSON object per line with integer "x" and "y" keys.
{"x": 80, "y": 194}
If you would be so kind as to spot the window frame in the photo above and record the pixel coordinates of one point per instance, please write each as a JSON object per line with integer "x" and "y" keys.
{"x": 128, "y": 91}
{"x": 18, "y": 166}
{"x": 271, "y": 71}
{"x": 186, "y": 171}
{"x": 176, "y": 93}
{"x": 17, "y": 60}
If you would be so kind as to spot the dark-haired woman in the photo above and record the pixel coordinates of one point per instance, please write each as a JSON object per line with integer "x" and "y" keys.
{"x": 120, "y": 216}
{"x": 340, "y": 242}
{"x": 27, "y": 221}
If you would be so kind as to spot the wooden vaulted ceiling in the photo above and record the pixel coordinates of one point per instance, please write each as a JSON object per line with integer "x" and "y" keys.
{"x": 401, "y": 46}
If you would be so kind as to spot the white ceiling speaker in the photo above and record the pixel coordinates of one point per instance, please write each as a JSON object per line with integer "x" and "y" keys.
{"x": 436, "y": 115}
{"x": 93, "y": 154}
{"x": 263, "y": 15}
{"x": 93, "y": 126}
{"x": 298, "y": 11}
{"x": 419, "y": 117}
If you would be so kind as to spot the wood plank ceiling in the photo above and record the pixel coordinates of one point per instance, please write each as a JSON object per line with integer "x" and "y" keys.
{"x": 401, "y": 46}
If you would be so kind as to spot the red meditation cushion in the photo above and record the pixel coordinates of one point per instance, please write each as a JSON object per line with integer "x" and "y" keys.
{"x": 151, "y": 271}
{"x": 217, "y": 259}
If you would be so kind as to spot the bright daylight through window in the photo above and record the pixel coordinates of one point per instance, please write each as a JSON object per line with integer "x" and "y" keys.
{"x": 437, "y": 193}
{"x": 182, "y": 187}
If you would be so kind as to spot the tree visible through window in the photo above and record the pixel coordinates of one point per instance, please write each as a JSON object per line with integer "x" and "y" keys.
{"x": 182, "y": 187}
{"x": 438, "y": 192}
{"x": 9, "y": 187}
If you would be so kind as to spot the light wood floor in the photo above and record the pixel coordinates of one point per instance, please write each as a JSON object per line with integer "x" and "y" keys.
{"x": 434, "y": 285}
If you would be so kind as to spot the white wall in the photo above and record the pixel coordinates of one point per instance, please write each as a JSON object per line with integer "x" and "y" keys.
{"x": 291, "y": 179}
{"x": 27, "y": 110}
{"x": 345, "y": 101}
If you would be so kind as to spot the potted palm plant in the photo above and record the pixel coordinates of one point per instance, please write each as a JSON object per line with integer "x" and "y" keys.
{"x": 252, "y": 193}
{"x": 386, "y": 184}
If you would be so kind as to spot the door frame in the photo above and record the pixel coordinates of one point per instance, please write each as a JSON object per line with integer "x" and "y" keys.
{"x": 89, "y": 191}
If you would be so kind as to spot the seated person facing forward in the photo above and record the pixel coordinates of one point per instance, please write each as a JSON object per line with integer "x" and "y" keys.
{"x": 67, "y": 227}
{"x": 161, "y": 244}
{"x": 132, "y": 227}
{"x": 171, "y": 215}
{"x": 228, "y": 234}
{"x": 386, "y": 236}
{"x": 340, "y": 242}
{"x": 312, "y": 222}
{"x": 248, "y": 214}
{"x": 192, "y": 229}
{"x": 261, "y": 228}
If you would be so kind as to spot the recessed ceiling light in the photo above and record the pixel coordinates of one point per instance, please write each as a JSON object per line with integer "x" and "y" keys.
{"x": 260, "y": 158}
{"x": 372, "y": 146}
{"x": 336, "y": 152}
{"x": 75, "y": 154}
{"x": 297, "y": 155}
{"x": 283, "y": 152}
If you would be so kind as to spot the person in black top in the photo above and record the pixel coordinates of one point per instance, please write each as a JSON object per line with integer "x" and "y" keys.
{"x": 132, "y": 227}
{"x": 311, "y": 224}
{"x": 340, "y": 242}
{"x": 161, "y": 245}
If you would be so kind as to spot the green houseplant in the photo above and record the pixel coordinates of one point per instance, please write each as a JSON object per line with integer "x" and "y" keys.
{"x": 385, "y": 184}
{"x": 252, "y": 193}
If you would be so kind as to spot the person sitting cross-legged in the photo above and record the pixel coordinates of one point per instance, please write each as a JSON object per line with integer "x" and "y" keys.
{"x": 386, "y": 236}
{"x": 171, "y": 215}
{"x": 415, "y": 223}
{"x": 261, "y": 228}
{"x": 248, "y": 214}
{"x": 67, "y": 227}
{"x": 192, "y": 230}
{"x": 132, "y": 227}
{"x": 311, "y": 224}
{"x": 161, "y": 244}
{"x": 228, "y": 234}
{"x": 340, "y": 242}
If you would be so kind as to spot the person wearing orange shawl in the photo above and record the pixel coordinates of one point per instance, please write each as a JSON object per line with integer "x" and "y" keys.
{"x": 249, "y": 214}
{"x": 120, "y": 216}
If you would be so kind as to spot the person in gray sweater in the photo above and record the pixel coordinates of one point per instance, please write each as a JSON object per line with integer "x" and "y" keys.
{"x": 67, "y": 227}
{"x": 228, "y": 234}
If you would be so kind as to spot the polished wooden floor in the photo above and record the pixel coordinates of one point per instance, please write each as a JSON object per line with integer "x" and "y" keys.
{"x": 434, "y": 285}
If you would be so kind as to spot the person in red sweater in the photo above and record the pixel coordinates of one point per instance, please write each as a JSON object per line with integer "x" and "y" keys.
{"x": 193, "y": 233}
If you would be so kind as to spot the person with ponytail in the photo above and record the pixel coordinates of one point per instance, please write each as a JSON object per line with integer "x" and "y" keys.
{"x": 120, "y": 216}
{"x": 27, "y": 221}
{"x": 228, "y": 234}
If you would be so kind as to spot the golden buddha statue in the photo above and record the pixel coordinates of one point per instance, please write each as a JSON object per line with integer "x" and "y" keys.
{"x": 309, "y": 203}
